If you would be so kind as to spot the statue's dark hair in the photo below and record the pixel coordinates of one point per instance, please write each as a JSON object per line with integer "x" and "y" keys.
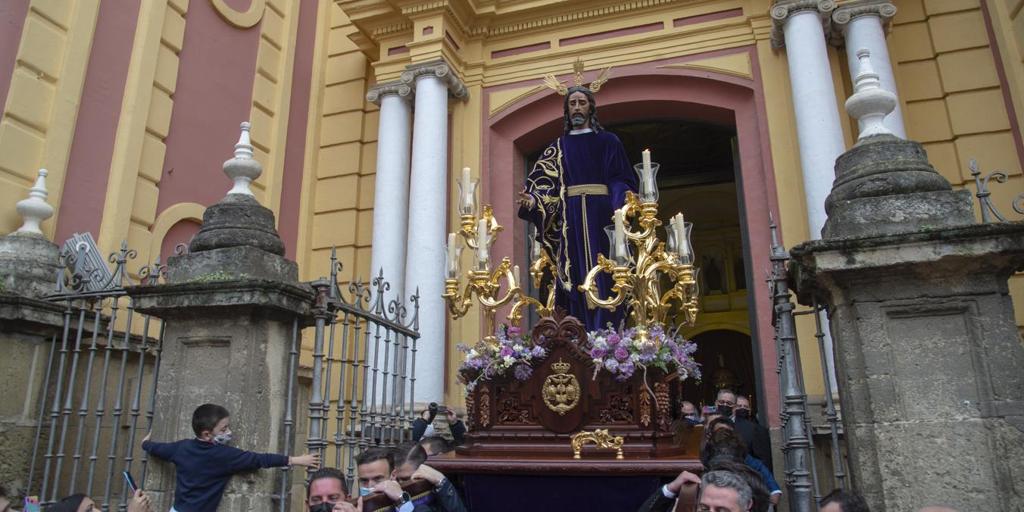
{"x": 594, "y": 124}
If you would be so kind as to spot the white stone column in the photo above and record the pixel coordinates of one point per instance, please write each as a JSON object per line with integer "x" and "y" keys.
{"x": 428, "y": 215}
{"x": 862, "y": 23}
{"x": 800, "y": 25}
{"x": 391, "y": 186}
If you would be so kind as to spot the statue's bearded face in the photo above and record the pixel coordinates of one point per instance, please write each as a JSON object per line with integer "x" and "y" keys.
{"x": 579, "y": 110}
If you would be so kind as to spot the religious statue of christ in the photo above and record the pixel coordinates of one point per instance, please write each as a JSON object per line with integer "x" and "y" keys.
{"x": 571, "y": 193}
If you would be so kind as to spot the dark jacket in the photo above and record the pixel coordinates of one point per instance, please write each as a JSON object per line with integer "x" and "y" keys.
{"x": 203, "y": 470}
{"x": 657, "y": 502}
{"x": 757, "y": 439}
{"x": 445, "y": 499}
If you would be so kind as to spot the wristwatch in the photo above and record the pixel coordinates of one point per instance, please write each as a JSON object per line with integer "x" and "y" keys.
{"x": 405, "y": 498}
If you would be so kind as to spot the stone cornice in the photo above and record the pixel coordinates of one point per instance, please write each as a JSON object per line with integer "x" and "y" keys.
{"x": 439, "y": 69}
{"x": 841, "y": 17}
{"x": 783, "y": 9}
{"x": 399, "y": 87}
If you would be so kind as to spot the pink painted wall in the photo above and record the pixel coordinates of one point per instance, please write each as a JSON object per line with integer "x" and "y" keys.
{"x": 213, "y": 95}
{"x": 302, "y": 75}
{"x": 12, "y": 20}
{"x": 180, "y": 233}
{"x": 645, "y": 92}
{"x": 85, "y": 187}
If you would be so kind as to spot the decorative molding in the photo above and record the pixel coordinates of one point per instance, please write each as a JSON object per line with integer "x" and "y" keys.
{"x": 737, "y": 64}
{"x": 438, "y": 69}
{"x": 241, "y": 19}
{"x": 844, "y": 14}
{"x": 783, "y": 9}
{"x": 559, "y": 19}
{"x": 399, "y": 87}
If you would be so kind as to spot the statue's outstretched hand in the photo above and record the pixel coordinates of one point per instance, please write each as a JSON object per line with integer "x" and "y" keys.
{"x": 525, "y": 200}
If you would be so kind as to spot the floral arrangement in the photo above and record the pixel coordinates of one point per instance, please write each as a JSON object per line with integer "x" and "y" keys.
{"x": 622, "y": 352}
{"x": 513, "y": 351}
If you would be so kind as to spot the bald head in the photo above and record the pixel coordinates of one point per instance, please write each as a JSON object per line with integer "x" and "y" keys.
{"x": 937, "y": 509}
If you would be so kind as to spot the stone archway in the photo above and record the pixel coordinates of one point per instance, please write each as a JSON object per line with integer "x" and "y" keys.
{"x": 659, "y": 90}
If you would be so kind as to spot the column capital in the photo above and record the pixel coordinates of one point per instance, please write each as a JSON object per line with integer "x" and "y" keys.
{"x": 398, "y": 87}
{"x": 783, "y": 9}
{"x": 844, "y": 14}
{"x": 439, "y": 69}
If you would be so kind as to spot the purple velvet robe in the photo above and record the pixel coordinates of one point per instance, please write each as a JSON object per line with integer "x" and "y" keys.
{"x": 571, "y": 228}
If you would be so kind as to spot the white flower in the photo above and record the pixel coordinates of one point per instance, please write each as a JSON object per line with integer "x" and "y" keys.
{"x": 509, "y": 360}
{"x": 635, "y": 357}
{"x": 601, "y": 344}
{"x": 517, "y": 347}
{"x": 473, "y": 353}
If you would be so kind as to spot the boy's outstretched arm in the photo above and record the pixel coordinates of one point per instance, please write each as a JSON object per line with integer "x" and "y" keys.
{"x": 161, "y": 450}
{"x": 310, "y": 460}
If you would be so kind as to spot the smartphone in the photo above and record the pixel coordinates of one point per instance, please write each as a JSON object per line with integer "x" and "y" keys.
{"x": 131, "y": 482}
{"x": 31, "y": 504}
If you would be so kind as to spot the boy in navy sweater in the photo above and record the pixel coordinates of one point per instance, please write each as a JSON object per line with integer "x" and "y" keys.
{"x": 204, "y": 465}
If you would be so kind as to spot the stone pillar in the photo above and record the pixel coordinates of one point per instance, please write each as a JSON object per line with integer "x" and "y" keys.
{"x": 391, "y": 186}
{"x": 798, "y": 25}
{"x": 229, "y": 307}
{"x": 28, "y": 272}
{"x": 428, "y": 213}
{"x": 928, "y": 354}
{"x": 862, "y": 24}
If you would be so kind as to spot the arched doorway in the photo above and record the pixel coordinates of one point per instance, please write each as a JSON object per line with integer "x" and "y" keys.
{"x": 662, "y": 93}
{"x": 726, "y": 361}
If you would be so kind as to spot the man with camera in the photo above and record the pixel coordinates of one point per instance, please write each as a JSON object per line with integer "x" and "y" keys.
{"x": 425, "y": 424}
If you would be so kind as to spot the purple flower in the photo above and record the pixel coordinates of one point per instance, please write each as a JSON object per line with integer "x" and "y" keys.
{"x": 621, "y": 354}
{"x": 613, "y": 339}
{"x": 515, "y": 332}
{"x": 538, "y": 351}
{"x": 598, "y": 353}
{"x": 505, "y": 351}
{"x": 611, "y": 365}
{"x": 523, "y": 371}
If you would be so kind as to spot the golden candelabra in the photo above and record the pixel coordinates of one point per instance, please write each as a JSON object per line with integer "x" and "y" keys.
{"x": 478, "y": 233}
{"x": 637, "y": 281}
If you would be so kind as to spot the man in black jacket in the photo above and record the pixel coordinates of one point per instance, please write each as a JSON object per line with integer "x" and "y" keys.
{"x": 424, "y": 424}
{"x": 409, "y": 458}
{"x": 753, "y": 435}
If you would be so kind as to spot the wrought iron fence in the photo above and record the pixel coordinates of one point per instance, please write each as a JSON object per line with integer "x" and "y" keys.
{"x": 801, "y": 469}
{"x": 99, "y": 389}
{"x": 364, "y": 368}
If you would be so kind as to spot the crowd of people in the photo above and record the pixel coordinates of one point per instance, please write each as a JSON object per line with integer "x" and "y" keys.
{"x": 735, "y": 478}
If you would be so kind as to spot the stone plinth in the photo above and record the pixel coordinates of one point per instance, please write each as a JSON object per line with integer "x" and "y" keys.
{"x": 885, "y": 185}
{"x": 230, "y": 309}
{"x": 28, "y": 271}
{"x": 225, "y": 342}
{"x": 929, "y": 362}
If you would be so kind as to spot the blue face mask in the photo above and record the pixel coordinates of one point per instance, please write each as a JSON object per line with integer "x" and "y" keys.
{"x": 363, "y": 491}
{"x": 224, "y": 438}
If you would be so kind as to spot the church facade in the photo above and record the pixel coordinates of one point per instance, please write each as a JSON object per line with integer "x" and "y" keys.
{"x": 363, "y": 113}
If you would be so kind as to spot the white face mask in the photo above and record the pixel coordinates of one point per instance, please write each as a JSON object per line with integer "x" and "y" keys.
{"x": 223, "y": 438}
{"x": 363, "y": 491}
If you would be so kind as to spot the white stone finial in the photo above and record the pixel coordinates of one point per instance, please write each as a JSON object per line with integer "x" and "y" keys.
{"x": 870, "y": 103}
{"x": 35, "y": 209}
{"x": 243, "y": 169}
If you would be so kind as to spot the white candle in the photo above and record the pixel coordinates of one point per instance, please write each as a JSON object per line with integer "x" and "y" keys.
{"x": 648, "y": 177}
{"x": 681, "y": 241}
{"x": 620, "y": 236}
{"x": 453, "y": 256}
{"x": 467, "y": 187}
{"x": 515, "y": 272}
{"x": 482, "y": 238}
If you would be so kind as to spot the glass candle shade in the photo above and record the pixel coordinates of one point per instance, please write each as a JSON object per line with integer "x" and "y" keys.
{"x": 648, "y": 182}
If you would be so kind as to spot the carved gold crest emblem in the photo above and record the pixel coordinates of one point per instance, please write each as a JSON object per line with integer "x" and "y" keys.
{"x": 561, "y": 390}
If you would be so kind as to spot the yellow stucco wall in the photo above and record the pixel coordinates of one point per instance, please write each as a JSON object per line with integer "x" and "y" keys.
{"x": 946, "y": 74}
